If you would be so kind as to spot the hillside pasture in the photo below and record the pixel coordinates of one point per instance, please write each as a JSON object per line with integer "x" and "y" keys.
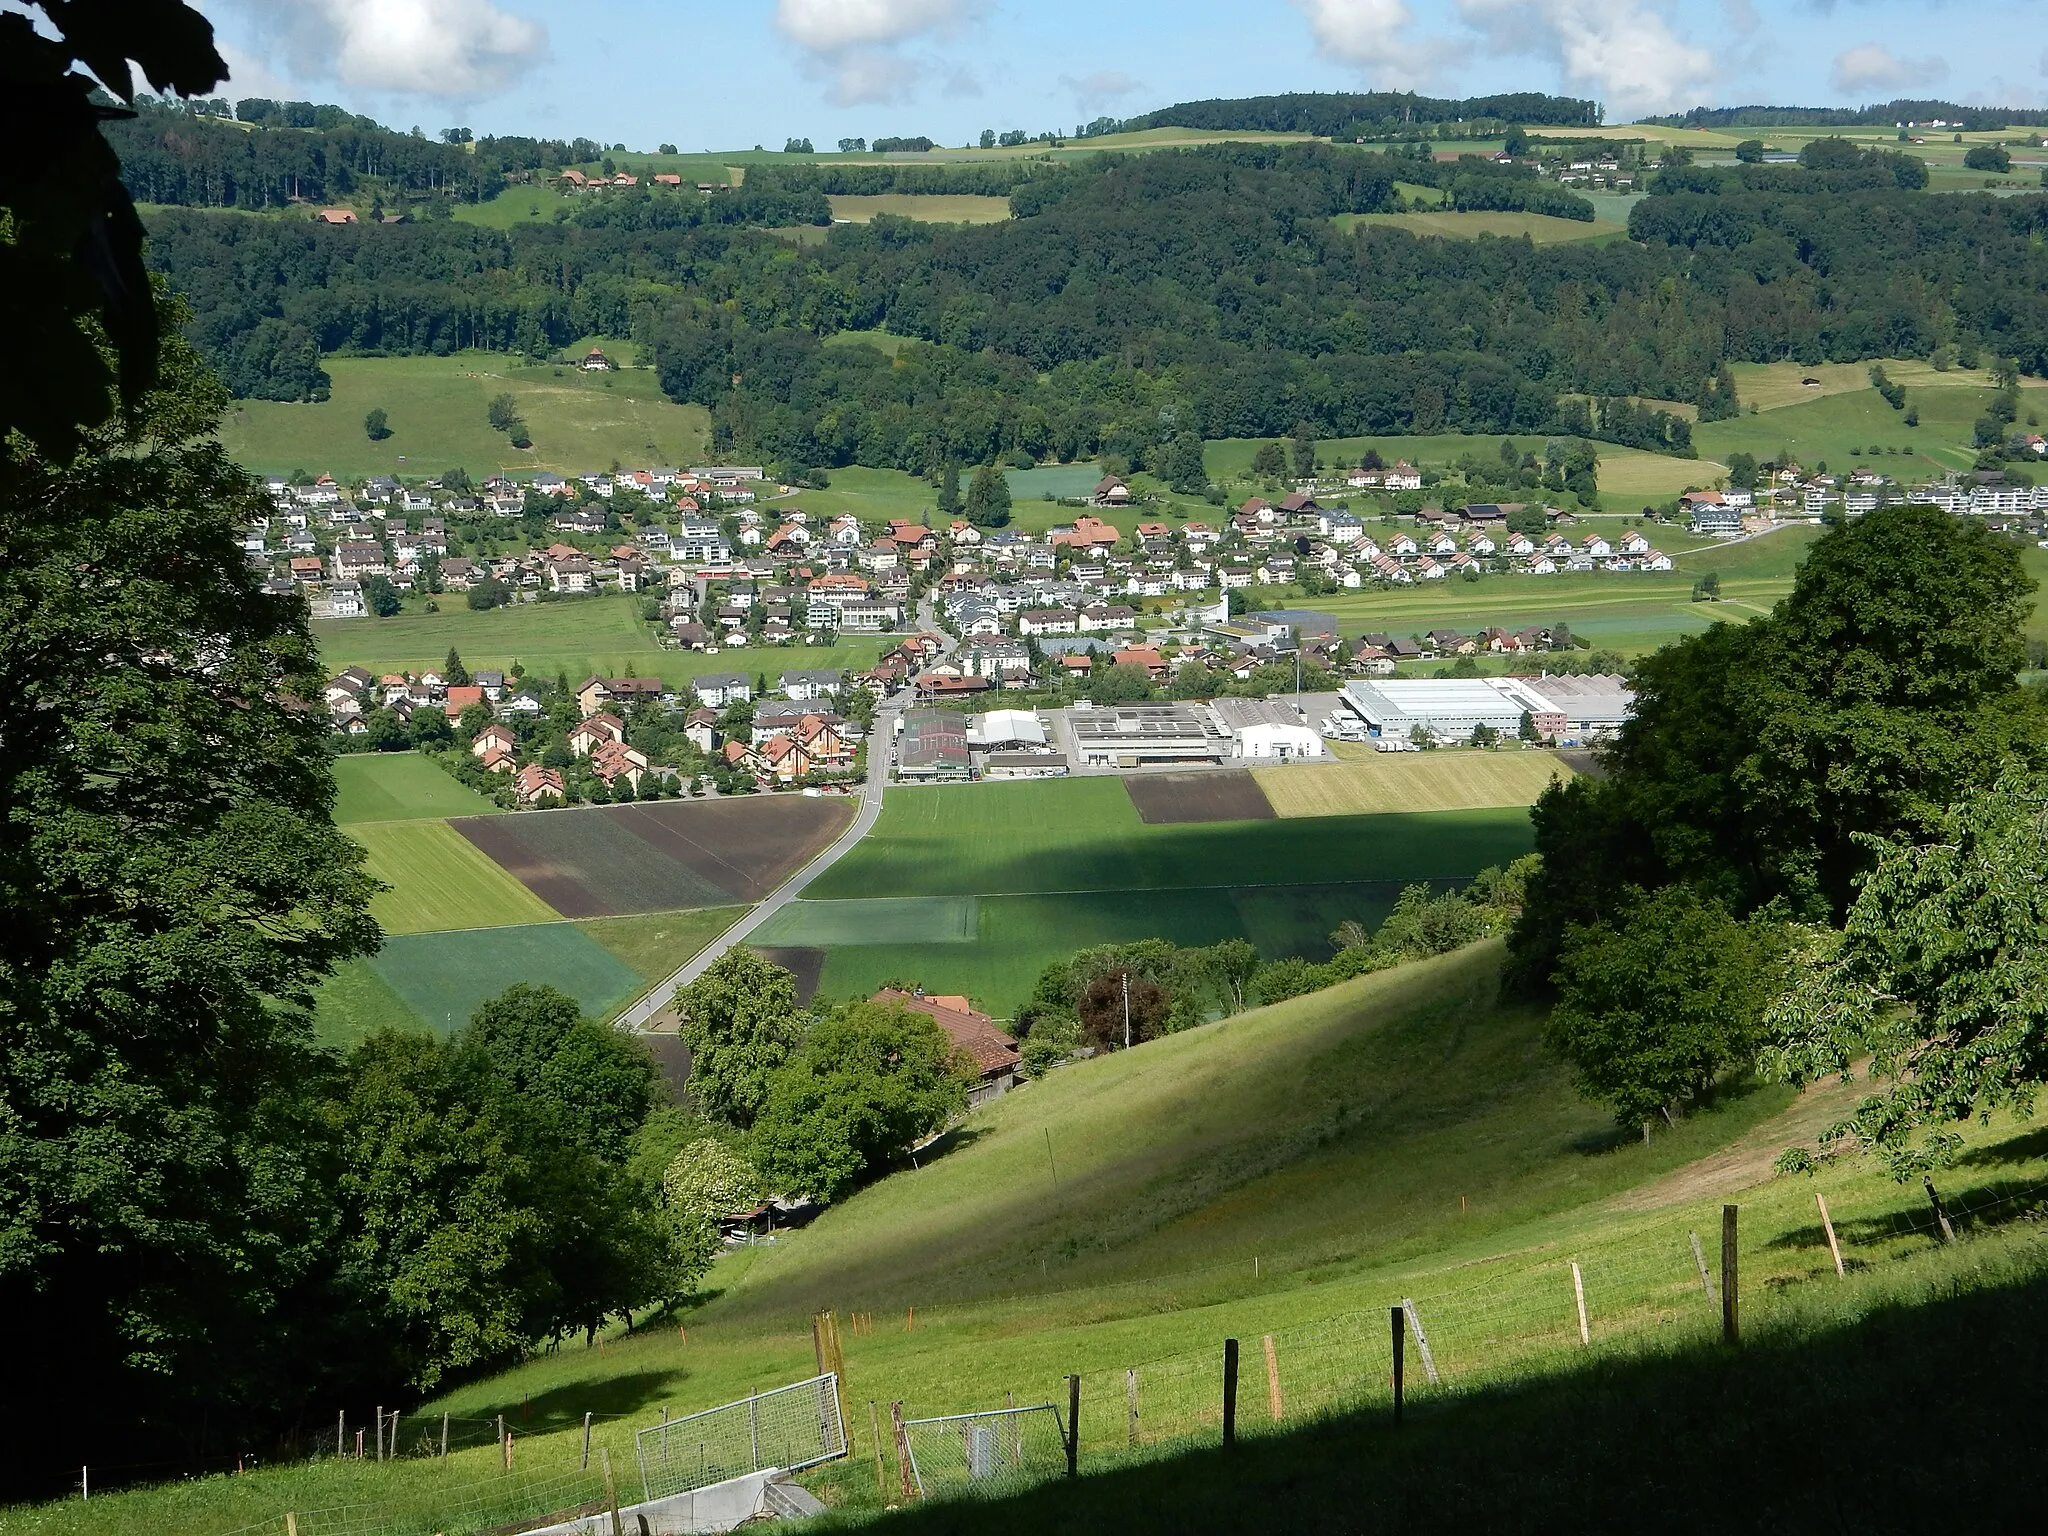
{"x": 932, "y": 208}
{"x": 1852, "y": 427}
{"x": 1538, "y": 228}
{"x": 578, "y": 421}
{"x": 438, "y": 880}
{"x": 1410, "y": 781}
{"x": 400, "y": 786}
{"x": 1627, "y": 472}
{"x": 1083, "y": 834}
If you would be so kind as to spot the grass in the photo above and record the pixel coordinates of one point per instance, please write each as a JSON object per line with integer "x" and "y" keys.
{"x": 929, "y": 209}
{"x": 1082, "y": 834}
{"x": 654, "y": 944}
{"x": 1833, "y": 428}
{"x": 355, "y": 1003}
{"x": 517, "y": 205}
{"x": 1773, "y": 386}
{"x": 877, "y": 495}
{"x": 443, "y": 977}
{"x": 578, "y": 637}
{"x": 400, "y": 786}
{"x": 439, "y": 880}
{"x": 436, "y": 405}
{"x": 1017, "y": 937}
{"x": 1422, "y": 781}
{"x": 1540, "y": 228}
{"x": 1626, "y": 472}
{"x": 888, "y": 920}
{"x": 1401, "y": 1135}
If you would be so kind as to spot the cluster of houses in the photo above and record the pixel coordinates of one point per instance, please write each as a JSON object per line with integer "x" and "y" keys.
{"x": 1788, "y": 490}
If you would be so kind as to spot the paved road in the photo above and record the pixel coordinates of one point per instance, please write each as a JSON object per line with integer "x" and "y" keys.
{"x": 881, "y": 742}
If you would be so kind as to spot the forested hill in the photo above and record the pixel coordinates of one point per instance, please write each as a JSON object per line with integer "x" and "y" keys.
{"x": 1346, "y": 114}
{"x": 1970, "y": 119}
{"x": 1137, "y": 299}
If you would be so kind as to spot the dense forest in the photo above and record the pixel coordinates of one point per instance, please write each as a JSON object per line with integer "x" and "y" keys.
{"x": 1135, "y": 298}
{"x": 1883, "y": 115}
{"x": 1342, "y": 114}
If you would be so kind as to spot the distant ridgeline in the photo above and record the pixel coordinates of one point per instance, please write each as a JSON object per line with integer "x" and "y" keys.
{"x": 1969, "y": 119}
{"x": 1364, "y": 114}
{"x": 1137, "y": 301}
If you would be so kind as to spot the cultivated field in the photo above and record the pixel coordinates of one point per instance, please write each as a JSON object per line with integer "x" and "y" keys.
{"x": 928, "y": 209}
{"x": 653, "y": 944}
{"x": 436, "y": 405}
{"x": 1404, "y": 781}
{"x": 400, "y": 786}
{"x": 439, "y": 880}
{"x": 1540, "y": 228}
{"x": 1184, "y": 797}
{"x": 608, "y": 861}
{"x": 443, "y": 977}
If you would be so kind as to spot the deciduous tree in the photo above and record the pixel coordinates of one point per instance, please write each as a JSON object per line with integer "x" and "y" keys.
{"x": 741, "y": 1022}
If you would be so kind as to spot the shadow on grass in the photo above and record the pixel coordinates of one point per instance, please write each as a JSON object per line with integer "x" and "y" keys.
{"x": 563, "y": 1407}
{"x": 1908, "y": 1418}
{"x": 2015, "y": 1149}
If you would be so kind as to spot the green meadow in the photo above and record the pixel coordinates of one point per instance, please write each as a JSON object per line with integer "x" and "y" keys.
{"x": 400, "y": 786}
{"x": 1538, "y": 228}
{"x": 1624, "y": 472}
{"x": 437, "y": 879}
{"x": 1844, "y": 430}
{"x": 436, "y": 406}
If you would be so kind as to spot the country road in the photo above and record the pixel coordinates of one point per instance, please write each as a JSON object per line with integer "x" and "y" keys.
{"x": 881, "y": 740}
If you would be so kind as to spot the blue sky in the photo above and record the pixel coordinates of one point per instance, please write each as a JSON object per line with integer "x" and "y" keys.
{"x": 706, "y": 75}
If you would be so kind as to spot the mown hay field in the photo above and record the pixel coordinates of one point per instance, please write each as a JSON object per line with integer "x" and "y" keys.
{"x": 400, "y": 786}
{"x": 1410, "y": 781}
{"x": 934, "y": 208}
{"x": 440, "y": 881}
{"x": 1540, "y": 228}
{"x": 444, "y": 977}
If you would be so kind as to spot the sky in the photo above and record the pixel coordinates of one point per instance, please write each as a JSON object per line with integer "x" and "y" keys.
{"x": 729, "y": 74}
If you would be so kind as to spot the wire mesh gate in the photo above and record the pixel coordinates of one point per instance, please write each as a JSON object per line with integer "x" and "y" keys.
{"x": 790, "y": 1428}
{"x": 985, "y": 1450}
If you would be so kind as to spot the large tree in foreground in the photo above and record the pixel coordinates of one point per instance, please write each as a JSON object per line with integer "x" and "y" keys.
{"x": 741, "y": 1022}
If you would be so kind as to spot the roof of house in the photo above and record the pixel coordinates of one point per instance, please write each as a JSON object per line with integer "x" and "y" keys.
{"x": 967, "y": 1027}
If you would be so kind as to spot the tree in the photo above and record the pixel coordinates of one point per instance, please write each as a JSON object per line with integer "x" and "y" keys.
{"x": 741, "y": 1022}
{"x": 1708, "y": 588}
{"x": 1270, "y": 461}
{"x": 1180, "y": 464}
{"x": 453, "y": 672}
{"x": 1304, "y": 450}
{"x": 1231, "y": 963}
{"x": 949, "y": 489}
{"x": 1656, "y": 1005}
{"x": 488, "y": 593}
{"x": 1119, "y": 684}
{"x": 1750, "y": 151}
{"x": 1101, "y": 1009}
{"x": 705, "y": 1182}
{"x": 174, "y": 884}
{"x": 797, "y": 147}
{"x": 1988, "y": 157}
{"x": 377, "y": 425}
{"x": 503, "y": 415}
{"x": 1742, "y": 471}
{"x": 988, "y": 138}
{"x": 383, "y": 596}
{"x": 988, "y": 498}
{"x": 1939, "y": 977}
{"x": 870, "y": 1080}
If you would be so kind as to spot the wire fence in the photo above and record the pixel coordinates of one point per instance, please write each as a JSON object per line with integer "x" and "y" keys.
{"x": 1002, "y": 1448}
{"x": 791, "y": 1428}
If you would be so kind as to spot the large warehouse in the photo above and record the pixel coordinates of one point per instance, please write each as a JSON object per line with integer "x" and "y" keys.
{"x": 1135, "y": 735}
{"x": 1450, "y": 709}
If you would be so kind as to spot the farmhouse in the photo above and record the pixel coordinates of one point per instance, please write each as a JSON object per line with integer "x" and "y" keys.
{"x": 994, "y": 1053}
{"x": 1133, "y": 735}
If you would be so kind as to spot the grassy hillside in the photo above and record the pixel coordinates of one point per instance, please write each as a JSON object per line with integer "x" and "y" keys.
{"x": 1846, "y": 428}
{"x": 436, "y": 405}
{"x": 1425, "y": 781}
{"x": 930, "y": 209}
{"x": 1540, "y": 228}
{"x": 1624, "y": 472}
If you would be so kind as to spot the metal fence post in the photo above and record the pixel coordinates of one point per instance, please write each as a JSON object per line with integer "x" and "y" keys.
{"x": 1229, "y": 1392}
{"x": 1398, "y": 1322}
{"x": 1073, "y": 1425}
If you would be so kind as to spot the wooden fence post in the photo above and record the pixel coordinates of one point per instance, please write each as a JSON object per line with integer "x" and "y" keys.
{"x": 508, "y": 1450}
{"x": 1731, "y": 1280}
{"x": 1272, "y": 1379}
{"x": 1131, "y": 1402}
{"x": 1579, "y": 1295}
{"x": 444, "y": 1442}
{"x": 1827, "y": 1224}
{"x": 1397, "y": 1322}
{"x": 340, "y": 1434}
{"x": 902, "y": 1451}
{"x": 611, "y": 1492}
{"x": 1421, "y": 1339}
{"x": 394, "y": 1434}
{"x": 1699, "y": 1257}
{"x": 1229, "y": 1392}
{"x": 875, "y": 1429}
{"x": 291, "y": 1524}
{"x": 818, "y": 1343}
{"x": 1073, "y": 1426}
{"x": 586, "y": 1442}
{"x": 1948, "y": 1233}
{"x": 380, "y": 1431}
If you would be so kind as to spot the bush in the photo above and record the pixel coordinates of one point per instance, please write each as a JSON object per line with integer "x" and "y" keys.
{"x": 1988, "y": 157}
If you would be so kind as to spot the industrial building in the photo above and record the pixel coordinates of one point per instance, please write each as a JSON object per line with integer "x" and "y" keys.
{"x": 1267, "y": 728}
{"x": 932, "y": 744}
{"x": 1451, "y": 709}
{"x": 1135, "y": 735}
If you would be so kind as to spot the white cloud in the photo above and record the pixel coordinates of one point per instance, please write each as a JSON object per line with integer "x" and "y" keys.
{"x": 1872, "y": 67}
{"x": 1100, "y": 88}
{"x": 1373, "y": 36}
{"x": 449, "y": 48}
{"x": 1624, "y": 52}
{"x": 856, "y": 46}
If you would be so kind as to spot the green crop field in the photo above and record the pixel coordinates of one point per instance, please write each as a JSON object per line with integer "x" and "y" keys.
{"x": 884, "y": 920}
{"x": 654, "y": 944}
{"x": 439, "y": 880}
{"x": 436, "y": 406}
{"x": 355, "y": 1003}
{"x": 400, "y": 786}
{"x": 937, "y": 208}
{"x": 443, "y": 977}
{"x": 1082, "y": 834}
{"x": 1845, "y": 428}
{"x": 1541, "y": 228}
